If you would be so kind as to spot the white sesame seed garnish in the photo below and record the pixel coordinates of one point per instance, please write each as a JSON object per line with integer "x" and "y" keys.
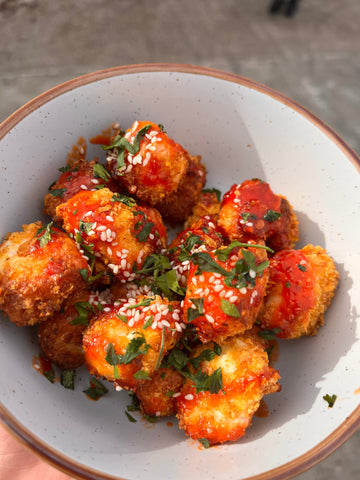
{"x": 252, "y": 273}
{"x": 118, "y": 388}
{"x": 243, "y": 290}
{"x": 233, "y": 299}
{"x": 109, "y": 251}
{"x": 94, "y": 181}
{"x": 109, "y": 218}
{"x": 189, "y": 396}
{"x": 209, "y": 318}
{"x": 83, "y": 187}
{"x": 176, "y": 394}
{"x": 107, "y": 309}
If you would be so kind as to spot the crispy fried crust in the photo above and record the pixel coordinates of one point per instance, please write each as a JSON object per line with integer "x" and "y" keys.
{"x": 162, "y": 174}
{"x": 247, "y": 211}
{"x": 227, "y": 310}
{"x": 300, "y": 288}
{"x": 156, "y": 395}
{"x": 78, "y": 176}
{"x": 246, "y": 378}
{"x": 121, "y": 234}
{"x": 119, "y": 327}
{"x": 60, "y": 337}
{"x": 207, "y": 205}
{"x": 35, "y": 281}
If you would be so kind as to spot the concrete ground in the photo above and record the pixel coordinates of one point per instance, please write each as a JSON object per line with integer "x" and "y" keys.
{"x": 313, "y": 57}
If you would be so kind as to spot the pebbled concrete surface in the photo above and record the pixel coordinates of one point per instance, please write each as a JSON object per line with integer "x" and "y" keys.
{"x": 313, "y": 58}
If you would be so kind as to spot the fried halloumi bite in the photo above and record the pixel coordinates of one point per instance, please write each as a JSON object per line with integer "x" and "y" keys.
{"x": 217, "y": 404}
{"x": 60, "y": 337}
{"x": 39, "y": 269}
{"x": 300, "y": 288}
{"x": 253, "y": 210}
{"x": 127, "y": 342}
{"x": 207, "y": 205}
{"x": 118, "y": 231}
{"x": 225, "y": 291}
{"x": 203, "y": 235}
{"x": 75, "y": 177}
{"x": 156, "y": 396}
{"x": 158, "y": 171}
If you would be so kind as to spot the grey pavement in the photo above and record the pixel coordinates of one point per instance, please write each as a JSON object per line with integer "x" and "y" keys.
{"x": 313, "y": 57}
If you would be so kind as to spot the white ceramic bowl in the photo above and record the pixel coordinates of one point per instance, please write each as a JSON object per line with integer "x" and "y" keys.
{"x": 242, "y": 130}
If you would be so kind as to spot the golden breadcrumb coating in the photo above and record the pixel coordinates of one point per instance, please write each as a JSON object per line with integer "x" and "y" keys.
{"x": 245, "y": 378}
{"x": 252, "y": 210}
{"x": 207, "y": 205}
{"x": 301, "y": 286}
{"x": 203, "y": 235}
{"x": 140, "y": 330}
{"x": 75, "y": 177}
{"x": 224, "y": 298}
{"x": 161, "y": 173}
{"x": 119, "y": 232}
{"x": 39, "y": 269}
{"x": 156, "y": 395}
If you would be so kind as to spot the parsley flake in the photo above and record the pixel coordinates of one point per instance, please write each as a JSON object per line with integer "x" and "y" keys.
{"x": 96, "y": 389}
{"x": 330, "y": 399}
{"x": 229, "y": 308}
{"x": 68, "y": 379}
{"x": 204, "y": 442}
{"x": 302, "y": 267}
{"x": 271, "y": 216}
{"x": 58, "y": 192}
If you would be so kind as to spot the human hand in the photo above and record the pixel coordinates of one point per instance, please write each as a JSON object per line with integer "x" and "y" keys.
{"x": 17, "y": 462}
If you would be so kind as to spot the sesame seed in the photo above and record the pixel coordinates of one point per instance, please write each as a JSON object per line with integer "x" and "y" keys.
{"x": 218, "y": 288}
{"x": 109, "y": 251}
{"x": 103, "y": 236}
{"x": 83, "y": 187}
{"x": 252, "y": 273}
{"x": 176, "y": 316}
{"x": 165, "y": 323}
{"x": 100, "y": 228}
{"x": 178, "y": 327}
{"x": 116, "y": 269}
{"x": 229, "y": 294}
{"x": 189, "y": 396}
{"x": 94, "y": 181}
{"x": 109, "y": 218}
{"x": 107, "y": 309}
{"x": 209, "y": 318}
{"x": 118, "y": 388}
{"x": 176, "y": 394}
{"x": 243, "y": 290}
{"x": 233, "y": 299}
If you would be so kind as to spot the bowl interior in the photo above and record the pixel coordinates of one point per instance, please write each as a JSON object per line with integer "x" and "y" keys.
{"x": 242, "y": 130}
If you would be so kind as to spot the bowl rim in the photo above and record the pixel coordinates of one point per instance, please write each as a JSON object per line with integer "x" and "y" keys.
{"x": 64, "y": 463}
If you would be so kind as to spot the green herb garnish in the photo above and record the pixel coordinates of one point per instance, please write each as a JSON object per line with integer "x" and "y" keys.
{"x": 96, "y": 389}
{"x": 271, "y": 216}
{"x": 330, "y": 399}
{"x": 68, "y": 379}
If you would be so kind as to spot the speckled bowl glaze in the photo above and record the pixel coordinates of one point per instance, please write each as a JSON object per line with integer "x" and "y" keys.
{"x": 242, "y": 130}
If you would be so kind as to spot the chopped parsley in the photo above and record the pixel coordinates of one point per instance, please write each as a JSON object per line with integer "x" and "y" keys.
{"x": 142, "y": 375}
{"x": 223, "y": 253}
{"x": 186, "y": 247}
{"x": 204, "y": 442}
{"x": 83, "y": 309}
{"x": 196, "y": 312}
{"x": 99, "y": 171}
{"x": 96, "y": 389}
{"x": 68, "y": 379}
{"x": 229, "y": 308}
{"x": 330, "y": 399}
{"x": 130, "y": 418}
{"x": 270, "y": 334}
{"x": 136, "y": 347}
{"x": 58, "y": 192}
{"x": 85, "y": 227}
{"x": 122, "y": 145}
{"x": 145, "y": 302}
{"x": 67, "y": 168}
{"x": 302, "y": 267}
{"x": 148, "y": 322}
{"x": 45, "y": 234}
{"x": 130, "y": 202}
{"x": 143, "y": 227}
{"x": 271, "y": 216}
